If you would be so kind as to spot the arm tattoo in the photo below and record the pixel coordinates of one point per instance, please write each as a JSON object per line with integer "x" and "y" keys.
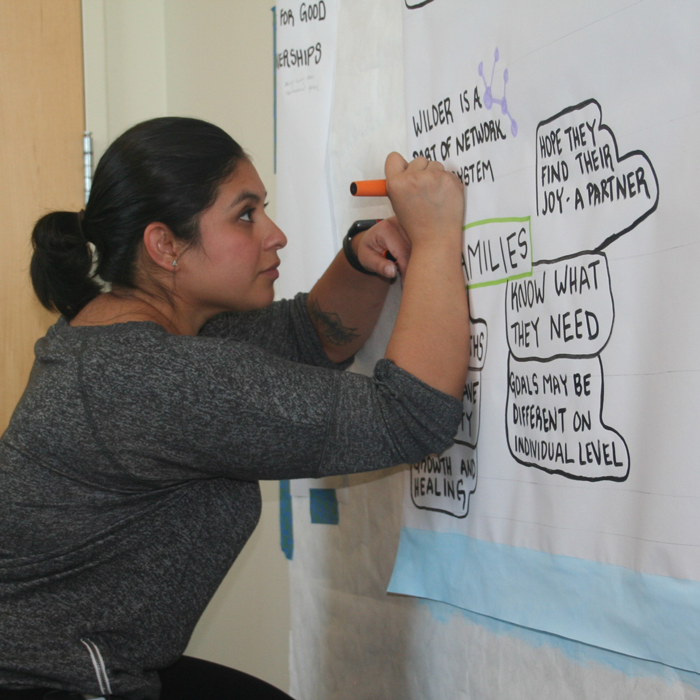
{"x": 329, "y": 325}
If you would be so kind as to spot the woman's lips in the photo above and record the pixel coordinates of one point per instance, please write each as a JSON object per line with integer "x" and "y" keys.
{"x": 271, "y": 272}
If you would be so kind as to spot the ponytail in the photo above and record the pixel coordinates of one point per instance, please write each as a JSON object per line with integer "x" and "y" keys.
{"x": 62, "y": 263}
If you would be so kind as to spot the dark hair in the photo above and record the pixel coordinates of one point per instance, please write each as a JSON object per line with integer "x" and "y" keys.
{"x": 168, "y": 170}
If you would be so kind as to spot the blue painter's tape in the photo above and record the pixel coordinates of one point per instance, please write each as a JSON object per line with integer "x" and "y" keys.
{"x": 649, "y": 617}
{"x": 324, "y": 506}
{"x": 286, "y": 522}
{"x": 576, "y": 651}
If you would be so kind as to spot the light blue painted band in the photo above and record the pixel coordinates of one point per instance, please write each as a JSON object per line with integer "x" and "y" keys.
{"x": 649, "y": 617}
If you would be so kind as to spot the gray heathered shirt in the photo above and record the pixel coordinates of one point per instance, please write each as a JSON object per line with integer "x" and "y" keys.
{"x": 128, "y": 479}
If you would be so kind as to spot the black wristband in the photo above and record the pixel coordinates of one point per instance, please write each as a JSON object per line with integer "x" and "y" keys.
{"x": 350, "y": 256}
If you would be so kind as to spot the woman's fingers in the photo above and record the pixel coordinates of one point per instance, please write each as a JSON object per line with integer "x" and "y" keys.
{"x": 392, "y": 238}
{"x": 418, "y": 163}
{"x": 386, "y": 236}
{"x": 395, "y": 164}
{"x": 428, "y": 201}
{"x": 377, "y": 263}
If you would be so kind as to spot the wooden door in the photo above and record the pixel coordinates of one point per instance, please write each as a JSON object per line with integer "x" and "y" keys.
{"x": 41, "y": 126}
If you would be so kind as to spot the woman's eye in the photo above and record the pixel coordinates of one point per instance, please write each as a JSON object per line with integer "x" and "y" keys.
{"x": 247, "y": 215}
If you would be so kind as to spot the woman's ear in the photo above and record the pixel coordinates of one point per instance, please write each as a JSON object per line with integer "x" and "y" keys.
{"x": 162, "y": 246}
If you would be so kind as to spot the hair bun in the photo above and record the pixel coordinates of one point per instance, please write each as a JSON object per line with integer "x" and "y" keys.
{"x": 62, "y": 262}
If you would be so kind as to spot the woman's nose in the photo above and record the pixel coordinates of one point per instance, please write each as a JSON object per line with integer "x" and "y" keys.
{"x": 276, "y": 238}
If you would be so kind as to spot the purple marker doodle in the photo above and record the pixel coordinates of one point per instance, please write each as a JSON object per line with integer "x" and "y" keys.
{"x": 490, "y": 100}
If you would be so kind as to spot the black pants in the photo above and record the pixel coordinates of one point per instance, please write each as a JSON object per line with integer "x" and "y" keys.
{"x": 187, "y": 679}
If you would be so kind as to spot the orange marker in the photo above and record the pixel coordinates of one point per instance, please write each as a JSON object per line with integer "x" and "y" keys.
{"x": 368, "y": 188}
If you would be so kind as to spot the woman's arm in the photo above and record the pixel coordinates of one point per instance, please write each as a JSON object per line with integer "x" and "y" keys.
{"x": 283, "y": 328}
{"x": 431, "y": 336}
{"x": 344, "y": 304}
{"x": 158, "y": 408}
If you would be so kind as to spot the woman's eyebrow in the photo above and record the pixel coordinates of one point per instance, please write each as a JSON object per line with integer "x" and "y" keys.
{"x": 246, "y": 194}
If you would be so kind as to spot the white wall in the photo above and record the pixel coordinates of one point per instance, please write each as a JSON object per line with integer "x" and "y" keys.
{"x": 210, "y": 59}
{"x": 124, "y": 56}
{"x": 220, "y": 67}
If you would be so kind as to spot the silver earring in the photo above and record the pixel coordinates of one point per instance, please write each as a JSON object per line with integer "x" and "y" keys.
{"x": 174, "y": 263}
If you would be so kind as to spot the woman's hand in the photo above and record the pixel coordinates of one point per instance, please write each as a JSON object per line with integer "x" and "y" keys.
{"x": 387, "y": 235}
{"x": 428, "y": 201}
{"x": 431, "y": 334}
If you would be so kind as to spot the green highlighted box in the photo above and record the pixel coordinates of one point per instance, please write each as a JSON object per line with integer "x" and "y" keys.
{"x": 497, "y": 251}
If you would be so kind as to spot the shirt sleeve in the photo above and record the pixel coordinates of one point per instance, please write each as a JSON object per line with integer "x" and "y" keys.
{"x": 283, "y": 328}
{"x": 196, "y": 407}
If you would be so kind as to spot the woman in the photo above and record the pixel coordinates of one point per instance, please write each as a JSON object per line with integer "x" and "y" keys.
{"x": 128, "y": 473}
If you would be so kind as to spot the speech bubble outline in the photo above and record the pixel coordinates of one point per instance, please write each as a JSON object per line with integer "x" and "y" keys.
{"x": 477, "y": 362}
{"x": 559, "y": 244}
{"x": 467, "y": 462}
{"x": 471, "y": 399}
{"x": 612, "y": 476}
{"x": 477, "y": 359}
{"x": 471, "y": 396}
{"x": 564, "y": 259}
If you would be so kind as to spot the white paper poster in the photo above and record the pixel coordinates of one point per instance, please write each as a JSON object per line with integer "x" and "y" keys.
{"x": 349, "y": 639}
{"x": 569, "y": 502}
{"x": 304, "y": 67}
